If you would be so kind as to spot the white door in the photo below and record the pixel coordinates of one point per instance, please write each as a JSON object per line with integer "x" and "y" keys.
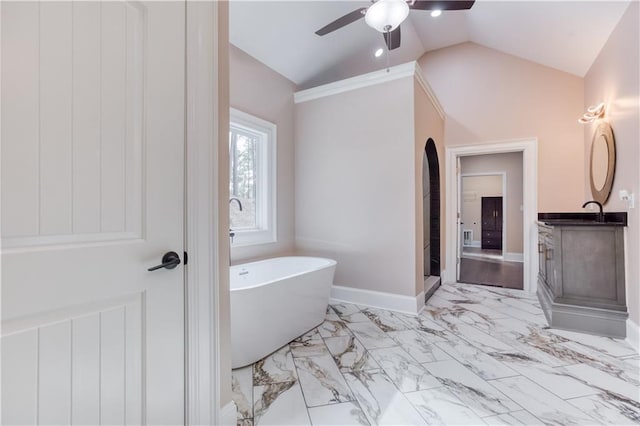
{"x": 92, "y": 196}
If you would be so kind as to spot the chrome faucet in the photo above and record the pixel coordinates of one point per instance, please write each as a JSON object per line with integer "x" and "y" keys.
{"x": 236, "y": 199}
{"x": 600, "y": 213}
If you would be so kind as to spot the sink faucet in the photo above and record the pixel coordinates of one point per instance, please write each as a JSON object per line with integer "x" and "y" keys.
{"x": 600, "y": 213}
{"x": 236, "y": 199}
{"x": 231, "y": 232}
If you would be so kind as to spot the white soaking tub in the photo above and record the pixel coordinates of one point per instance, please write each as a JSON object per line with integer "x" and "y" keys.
{"x": 274, "y": 301}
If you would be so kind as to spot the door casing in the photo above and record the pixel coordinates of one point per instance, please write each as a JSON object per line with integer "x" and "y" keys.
{"x": 529, "y": 149}
{"x": 208, "y": 387}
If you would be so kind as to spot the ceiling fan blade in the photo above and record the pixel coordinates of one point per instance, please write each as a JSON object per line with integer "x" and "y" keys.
{"x": 442, "y": 4}
{"x": 341, "y": 22}
{"x": 392, "y": 39}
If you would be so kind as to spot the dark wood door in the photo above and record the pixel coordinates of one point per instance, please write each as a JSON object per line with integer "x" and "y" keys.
{"x": 492, "y": 223}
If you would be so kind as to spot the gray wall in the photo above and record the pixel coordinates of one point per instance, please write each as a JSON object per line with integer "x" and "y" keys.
{"x": 354, "y": 185}
{"x": 260, "y": 91}
{"x": 358, "y": 192}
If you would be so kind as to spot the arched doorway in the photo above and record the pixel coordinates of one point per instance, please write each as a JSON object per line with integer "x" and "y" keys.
{"x": 431, "y": 217}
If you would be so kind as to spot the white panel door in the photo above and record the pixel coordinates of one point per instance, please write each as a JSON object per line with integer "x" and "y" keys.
{"x": 92, "y": 196}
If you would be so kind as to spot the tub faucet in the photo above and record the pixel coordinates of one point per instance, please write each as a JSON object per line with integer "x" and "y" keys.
{"x": 236, "y": 199}
{"x": 600, "y": 213}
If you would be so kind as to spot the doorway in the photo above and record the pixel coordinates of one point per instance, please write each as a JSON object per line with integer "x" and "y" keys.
{"x": 528, "y": 208}
{"x": 431, "y": 217}
{"x": 491, "y": 216}
{"x": 482, "y": 220}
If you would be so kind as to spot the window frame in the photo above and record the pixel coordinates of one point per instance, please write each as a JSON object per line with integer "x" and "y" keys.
{"x": 265, "y": 231}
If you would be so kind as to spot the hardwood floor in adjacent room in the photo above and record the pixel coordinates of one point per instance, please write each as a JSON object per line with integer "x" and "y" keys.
{"x": 491, "y": 272}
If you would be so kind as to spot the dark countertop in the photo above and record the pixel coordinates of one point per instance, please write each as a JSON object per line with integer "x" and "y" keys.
{"x": 583, "y": 219}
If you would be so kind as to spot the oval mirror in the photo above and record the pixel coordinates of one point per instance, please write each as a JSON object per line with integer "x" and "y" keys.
{"x": 603, "y": 162}
{"x": 599, "y": 162}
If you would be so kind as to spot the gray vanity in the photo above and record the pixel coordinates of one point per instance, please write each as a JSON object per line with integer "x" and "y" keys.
{"x": 581, "y": 280}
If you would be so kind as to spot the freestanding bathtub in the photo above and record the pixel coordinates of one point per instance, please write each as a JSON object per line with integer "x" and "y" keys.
{"x": 274, "y": 301}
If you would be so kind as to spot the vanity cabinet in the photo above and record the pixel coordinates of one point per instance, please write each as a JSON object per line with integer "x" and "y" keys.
{"x": 581, "y": 281}
{"x": 545, "y": 256}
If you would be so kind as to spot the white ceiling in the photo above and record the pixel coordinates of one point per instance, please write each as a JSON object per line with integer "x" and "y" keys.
{"x": 566, "y": 35}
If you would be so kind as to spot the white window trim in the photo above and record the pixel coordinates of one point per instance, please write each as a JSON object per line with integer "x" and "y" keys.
{"x": 265, "y": 216}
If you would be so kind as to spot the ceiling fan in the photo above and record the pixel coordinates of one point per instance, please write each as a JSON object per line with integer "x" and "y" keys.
{"x": 387, "y": 15}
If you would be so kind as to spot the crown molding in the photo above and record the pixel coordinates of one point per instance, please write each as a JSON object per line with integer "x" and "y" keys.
{"x": 370, "y": 79}
{"x": 428, "y": 91}
{"x": 364, "y": 80}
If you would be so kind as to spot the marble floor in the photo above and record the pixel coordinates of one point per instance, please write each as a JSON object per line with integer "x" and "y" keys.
{"x": 475, "y": 355}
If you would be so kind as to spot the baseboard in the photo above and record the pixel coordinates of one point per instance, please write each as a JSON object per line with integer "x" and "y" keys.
{"x": 475, "y": 243}
{"x": 378, "y": 299}
{"x": 445, "y": 278}
{"x": 430, "y": 282}
{"x": 584, "y": 319}
{"x": 514, "y": 257}
{"x": 420, "y": 298}
{"x": 431, "y": 290}
{"x": 633, "y": 335}
{"x": 228, "y": 414}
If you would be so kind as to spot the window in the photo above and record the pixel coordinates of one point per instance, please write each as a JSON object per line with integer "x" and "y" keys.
{"x": 252, "y": 144}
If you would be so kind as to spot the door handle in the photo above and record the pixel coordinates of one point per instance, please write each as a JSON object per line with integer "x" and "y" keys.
{"x": 169, "y": 261}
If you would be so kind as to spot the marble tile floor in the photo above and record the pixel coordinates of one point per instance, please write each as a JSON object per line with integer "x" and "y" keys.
{"x": 476, "y": 355}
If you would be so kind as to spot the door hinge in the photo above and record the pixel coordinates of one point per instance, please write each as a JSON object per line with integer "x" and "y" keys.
{"x": 186, "y": 258}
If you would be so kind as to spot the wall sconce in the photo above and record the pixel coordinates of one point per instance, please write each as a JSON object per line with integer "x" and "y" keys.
{"x": 593, "y": 113}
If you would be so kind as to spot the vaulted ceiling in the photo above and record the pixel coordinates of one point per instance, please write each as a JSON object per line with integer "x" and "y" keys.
{"x": 566, "y": 35}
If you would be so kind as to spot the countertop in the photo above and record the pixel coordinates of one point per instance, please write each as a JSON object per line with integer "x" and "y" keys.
{"x": 582, "y": 219}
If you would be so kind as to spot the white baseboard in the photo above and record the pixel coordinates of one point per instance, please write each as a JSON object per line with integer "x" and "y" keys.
{"x": 420, "y": 302}
{"x": 430, "y": 281}
{"x": 633, "y": 335}
{"x": 378, "y": 299}
{"x": 514, "y": 257}
{"x": 228, "y": 414}
{"x": 445, "y": 278}
{"x": 475, "y": 243}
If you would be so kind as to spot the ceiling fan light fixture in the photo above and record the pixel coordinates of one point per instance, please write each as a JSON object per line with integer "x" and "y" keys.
{"x": 386, "y": 15}
{"x": 436, "y": 13}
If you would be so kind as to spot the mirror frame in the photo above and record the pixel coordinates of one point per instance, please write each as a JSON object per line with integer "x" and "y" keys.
{"x": 602, "y": 195}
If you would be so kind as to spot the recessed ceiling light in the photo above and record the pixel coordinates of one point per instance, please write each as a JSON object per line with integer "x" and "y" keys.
{"x": 379, "y": 52}
{"x": 436, "y": 13}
